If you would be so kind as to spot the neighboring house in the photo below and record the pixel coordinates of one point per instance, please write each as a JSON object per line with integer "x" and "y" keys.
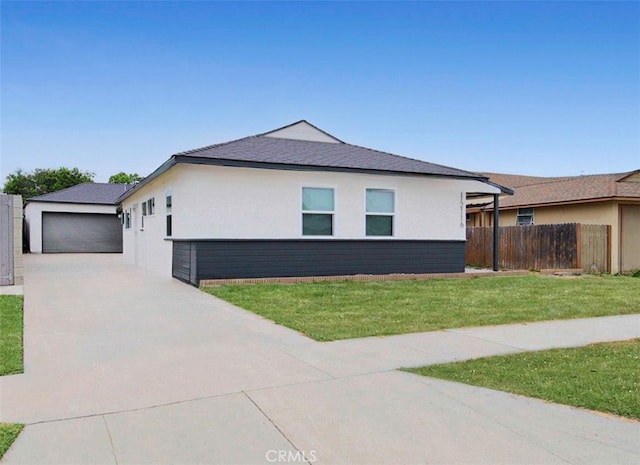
{"x": 297, "y": 201}
{"x": 81, "y": 219}
{"x": 611, "y": 199}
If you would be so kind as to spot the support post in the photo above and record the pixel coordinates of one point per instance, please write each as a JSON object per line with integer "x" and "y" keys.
{"x": 496, "y": 232}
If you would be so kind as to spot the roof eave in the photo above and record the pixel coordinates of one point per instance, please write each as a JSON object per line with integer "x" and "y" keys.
{"x": 158, "y": 171}
{"x": 560, "y": 203}
{"x": 71, "y": 202}
{"x": 503, "y": 190}
{"x": 298, "y": 167}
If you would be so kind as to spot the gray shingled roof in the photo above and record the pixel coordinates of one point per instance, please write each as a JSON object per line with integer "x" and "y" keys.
{"x": 271, "y": 150}
{"x": 264, "y": 151}
{"x": 87, "y": 193}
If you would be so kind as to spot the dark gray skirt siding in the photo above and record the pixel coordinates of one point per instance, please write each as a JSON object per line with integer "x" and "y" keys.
{"x": 181, "y": 263}
{"x": 219, "y": 259}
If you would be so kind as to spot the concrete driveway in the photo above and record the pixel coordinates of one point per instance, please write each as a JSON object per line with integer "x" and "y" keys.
{"x": 125, "y": 367}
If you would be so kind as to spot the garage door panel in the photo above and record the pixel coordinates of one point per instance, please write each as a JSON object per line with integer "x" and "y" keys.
{"x": 81, "y": 233}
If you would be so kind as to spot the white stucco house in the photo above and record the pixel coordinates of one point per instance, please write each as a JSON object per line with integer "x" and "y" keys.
{"x": 297, "y": 201}
{"x": 79, "y": 219}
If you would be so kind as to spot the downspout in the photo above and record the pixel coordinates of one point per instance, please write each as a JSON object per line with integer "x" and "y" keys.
{"x": 496, "y": 232}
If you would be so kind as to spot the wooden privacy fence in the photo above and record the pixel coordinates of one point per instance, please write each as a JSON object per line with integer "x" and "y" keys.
{"x": 544, "y": 246}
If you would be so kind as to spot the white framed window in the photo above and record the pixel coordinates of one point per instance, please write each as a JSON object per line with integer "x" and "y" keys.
{"x": 168, "y": 201}
{"x": 524, "y": 217}
{"x": 380, "y": 210}
{"x": 127, "y": 219}
{"x": 318, "y": 207}
{"x": 168, "y": 206}
{"x": 149, "y": 206}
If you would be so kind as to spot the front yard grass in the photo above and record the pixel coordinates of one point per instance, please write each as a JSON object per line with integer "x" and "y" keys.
{"x": 8, "y": 433}
{"x": 328, "y": 311}
{"x": 604, "y": 377}
{"x": 10, "y": 334}
{"x": 11, "y": 356}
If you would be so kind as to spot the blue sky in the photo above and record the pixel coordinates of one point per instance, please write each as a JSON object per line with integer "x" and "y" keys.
{"x": 540, "y": 88}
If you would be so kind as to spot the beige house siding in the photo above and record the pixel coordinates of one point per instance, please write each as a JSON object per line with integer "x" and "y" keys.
{"x": 585, "y": 213}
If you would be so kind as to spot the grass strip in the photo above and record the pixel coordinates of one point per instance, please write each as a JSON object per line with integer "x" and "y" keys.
{"x": 8, "y": 433}
{"x": 604, "y": 376}
{"x": 11, "y": 356}
{"x": 11, "y": 327}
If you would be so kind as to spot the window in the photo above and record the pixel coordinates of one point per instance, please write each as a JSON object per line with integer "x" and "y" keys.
{"x": 524, "y": 217}
{"x": 168, "y": 203}
{"x": 380, "y": 209}
{"x": 150, "y": 206}
{"x": 127, "y": 219}
{"x": 317, "y": 211}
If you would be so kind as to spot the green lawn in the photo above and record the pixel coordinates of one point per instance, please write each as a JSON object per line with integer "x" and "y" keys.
{"x": 10, "y": 334}
{"x": 10, "y": 356}
{"x": 604, "y": 377}
{"x": 8, "y": 433}
{"x": 347, "y": 309}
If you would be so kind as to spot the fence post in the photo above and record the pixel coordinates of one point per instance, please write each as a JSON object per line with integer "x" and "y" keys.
{"x": 579, "y": 246}
{"x": 609, "y": 250}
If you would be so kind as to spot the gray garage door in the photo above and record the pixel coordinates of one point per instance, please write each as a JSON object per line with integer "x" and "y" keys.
{"x": 81, "y": 233}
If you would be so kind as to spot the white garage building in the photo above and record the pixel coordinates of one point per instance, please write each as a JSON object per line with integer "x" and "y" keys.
{"x": 79, "y": 219}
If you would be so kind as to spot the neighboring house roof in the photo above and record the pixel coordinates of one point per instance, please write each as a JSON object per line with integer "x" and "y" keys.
{"x": 86, "y": 193}
{"x": 533, "y": 191}
{"x": 303, "y": 146}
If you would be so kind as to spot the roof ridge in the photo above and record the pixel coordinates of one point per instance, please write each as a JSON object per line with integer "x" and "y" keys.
{"x": 65, "y": 189}
{"x": 573, "y": 178}
{"x": 212, "y": 146}
{"x": 549, "y": 181}
{"x": 262, "y": 134}
{"x": 416, "y": 159}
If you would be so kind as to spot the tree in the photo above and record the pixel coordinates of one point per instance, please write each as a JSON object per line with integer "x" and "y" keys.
{"x": 124, "y": 178}
{"x": 42, "y": 181}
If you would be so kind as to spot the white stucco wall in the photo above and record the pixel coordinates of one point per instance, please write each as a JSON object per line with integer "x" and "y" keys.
{"x": 147, "y": 245}
{"x": 213, "y": 202}
{"x": 33, "y": 216}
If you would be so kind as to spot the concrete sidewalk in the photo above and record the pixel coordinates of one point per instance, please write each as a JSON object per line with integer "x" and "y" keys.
{"x": 124, "y": 367}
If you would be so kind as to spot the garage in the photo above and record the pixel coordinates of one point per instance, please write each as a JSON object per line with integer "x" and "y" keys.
{"x": 79, "y": 219}
{"x": 81, "y": 233}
